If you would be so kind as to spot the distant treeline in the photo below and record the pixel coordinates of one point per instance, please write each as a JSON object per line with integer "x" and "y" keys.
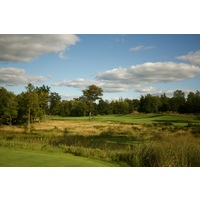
{"x": 37, "y": 102}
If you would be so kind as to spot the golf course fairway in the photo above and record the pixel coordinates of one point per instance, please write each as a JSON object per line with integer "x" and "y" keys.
{"x": 23, "y": 158}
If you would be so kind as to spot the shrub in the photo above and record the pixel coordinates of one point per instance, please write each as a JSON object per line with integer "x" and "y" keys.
{"x": 66, "y": 131}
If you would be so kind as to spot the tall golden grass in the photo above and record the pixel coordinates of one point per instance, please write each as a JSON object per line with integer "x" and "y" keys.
{"x": 131, "y": 145}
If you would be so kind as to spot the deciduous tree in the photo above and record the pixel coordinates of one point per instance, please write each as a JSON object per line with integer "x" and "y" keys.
{"x": 8, "y": 106}
{"x": 90, "y": 95}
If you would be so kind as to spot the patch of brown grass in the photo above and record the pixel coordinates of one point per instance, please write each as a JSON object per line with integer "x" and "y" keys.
{"x": 11, "y": 128}
{"x": 86, "y": 128}
{"x": 89, "y": 128}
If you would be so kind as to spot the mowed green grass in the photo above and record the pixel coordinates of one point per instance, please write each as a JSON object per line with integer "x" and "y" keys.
{"x": 22, "y": 158}
{"x": 139, "y": 118}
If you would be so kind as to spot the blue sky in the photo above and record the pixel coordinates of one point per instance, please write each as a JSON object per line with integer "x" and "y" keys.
{"x": 127, "y": 66}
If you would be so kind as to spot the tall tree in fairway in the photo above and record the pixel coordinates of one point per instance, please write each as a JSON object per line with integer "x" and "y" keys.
{"x": 90, "y": 95}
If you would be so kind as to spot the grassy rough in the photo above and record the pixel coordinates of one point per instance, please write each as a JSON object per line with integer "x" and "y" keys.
{"x": 163, "y": 140}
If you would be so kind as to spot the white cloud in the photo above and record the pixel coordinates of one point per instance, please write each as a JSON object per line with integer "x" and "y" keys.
{"x": 82, "y": 84}
{"x": 150, "y": 73}
{"x": 141, "y": 47}
{"x": 15, "y": 76}
{"x": 143, "y": 89}
{"x": 170, "y": 93}
{"x": 24, "y": 48}
{"x": 192, "y": 57}
{"x": 137, "y": 77}
{"x": 68, "y": 97}
{"x": 77, "y": 83}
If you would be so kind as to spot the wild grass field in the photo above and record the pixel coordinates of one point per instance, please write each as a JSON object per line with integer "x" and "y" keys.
{"x": 143, "y": 140}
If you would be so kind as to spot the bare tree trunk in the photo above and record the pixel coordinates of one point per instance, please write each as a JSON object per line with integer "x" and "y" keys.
{"x": 44, "y": 114}
{"x": 10, "y": 120}
{"x": 90, "y": 113}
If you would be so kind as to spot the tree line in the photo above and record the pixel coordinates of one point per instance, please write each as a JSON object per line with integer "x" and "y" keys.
{"x": 37, "y": 102}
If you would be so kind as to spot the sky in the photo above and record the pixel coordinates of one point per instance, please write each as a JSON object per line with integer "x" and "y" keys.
{"x": 123, "y": 65}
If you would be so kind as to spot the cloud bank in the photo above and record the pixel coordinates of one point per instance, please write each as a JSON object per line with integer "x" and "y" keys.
{"x": 24, "y": 48}
{"x": 15, "y": 76}
{"x": 137, "y": 77}
{"x": 150, "y": 73}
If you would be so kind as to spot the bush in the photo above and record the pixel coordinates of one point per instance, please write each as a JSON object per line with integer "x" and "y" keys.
{"x": 65, "y": 131}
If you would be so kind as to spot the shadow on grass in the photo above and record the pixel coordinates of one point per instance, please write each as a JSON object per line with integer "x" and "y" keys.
{"x": 172, "y": 121}
{"x": 101, "y": 142}
{"x": 146, "y": 116}
{"x": 119, "y": 139}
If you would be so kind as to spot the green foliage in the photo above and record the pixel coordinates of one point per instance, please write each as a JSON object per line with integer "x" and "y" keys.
{"x": 178, "y": 101}
{"x": 149, "y": 104}
{"x": 54, "y": 100}
{"x": 8, "y": 106}
{"x": 43, "y": 97}
{"x": 122, "y": 106}
{"x": 29, "y": 108}
{"x": 164, "y": 103}
{"x": 90, "y": 95}
{"x": 104, "y": 107}
{"x": 33, "y": 105}
{"x": 193, "y": 102}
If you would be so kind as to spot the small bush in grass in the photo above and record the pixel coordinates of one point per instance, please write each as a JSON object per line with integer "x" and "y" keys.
{"x": 66, "y": 131}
